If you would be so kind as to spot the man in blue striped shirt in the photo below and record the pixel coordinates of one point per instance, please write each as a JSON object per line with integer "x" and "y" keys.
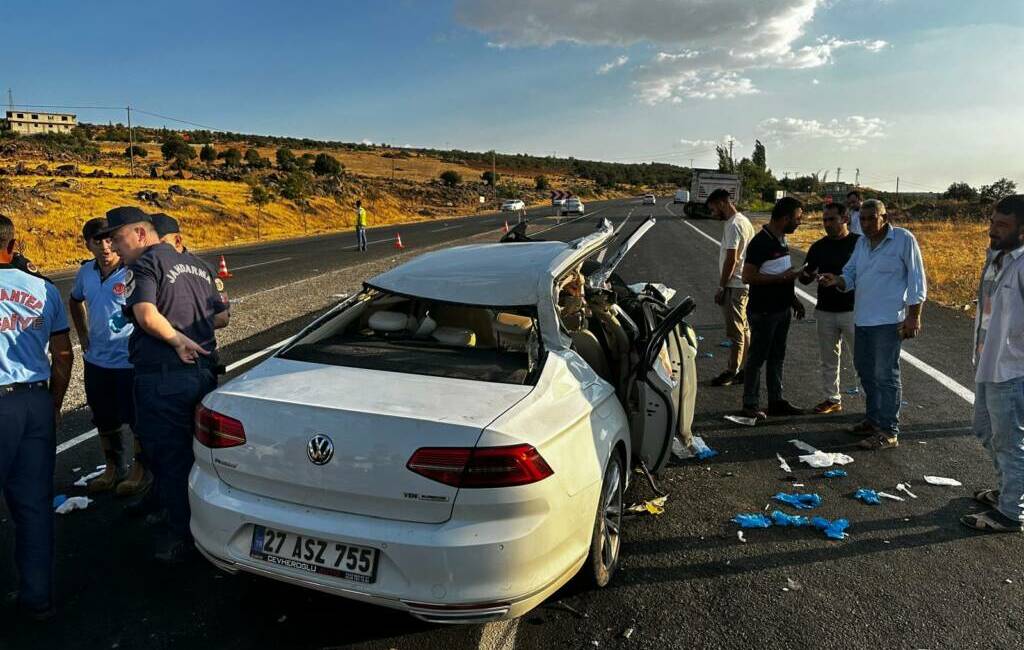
{"x": 887, "y": 272}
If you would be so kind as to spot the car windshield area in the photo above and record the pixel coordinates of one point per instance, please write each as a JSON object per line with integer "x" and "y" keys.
{"x": 383, "y": 331}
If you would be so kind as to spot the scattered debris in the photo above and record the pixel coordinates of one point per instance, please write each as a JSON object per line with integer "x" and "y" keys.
{"x": 727, "y": 343}
{"x": 283, "y": 618}
{"x": 654, "y": 506}
{"x": 628, "y": 632}
{"x": 75, "y": 470}
{"x": 793, "y": 584}
{"x": 835, "y": 473}
{"x": 83, "y": 481}
{"x": 739, "y": 419}
{"x": 780, "y": 518}
{"x": 853, "y": 391}
{"x": 73, "y": 503}
{"x": 820, "y": 459}
{"x": 700, "y": 338}
{"x": 569, "y": 608}
{"x": 797, "y": 500}
{"x": 701, "y": 449}
{"x": 939, "y": 480}
{"x": 752, "y": 520}
{"x": 59, "y": 499}
{"x": 832, "y": 529}
{"x": 739, "y": 534}
{"x": 905, "y": 488}
{"x": 869, "y": 497}
{"x": 1009, "y": 582}
{"x": 783, "y": 465}
{"x": 890, "y": 496}
{"x": 798, "y": 485}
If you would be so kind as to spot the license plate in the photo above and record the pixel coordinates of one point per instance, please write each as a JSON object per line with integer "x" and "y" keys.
{"x": 347, "y": 561}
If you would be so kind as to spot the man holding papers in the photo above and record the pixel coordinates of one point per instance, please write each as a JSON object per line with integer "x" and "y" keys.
{"x": 769, "y": 271}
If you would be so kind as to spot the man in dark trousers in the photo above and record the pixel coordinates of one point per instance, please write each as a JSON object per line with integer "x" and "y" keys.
{"x": 174, "y": 301}
{"x": 768, "y": 270}
{"x": 834, "y": 312}
{"x": 35, "y": 367}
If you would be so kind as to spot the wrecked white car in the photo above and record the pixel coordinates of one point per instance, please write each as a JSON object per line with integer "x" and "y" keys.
{"x": 455, "y": 440}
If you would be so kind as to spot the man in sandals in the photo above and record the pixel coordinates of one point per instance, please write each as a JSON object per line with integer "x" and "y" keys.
{"x": 999, "y": 357}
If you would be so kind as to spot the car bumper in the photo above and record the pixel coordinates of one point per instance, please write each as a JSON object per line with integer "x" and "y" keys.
{"x": 461, "y": 571}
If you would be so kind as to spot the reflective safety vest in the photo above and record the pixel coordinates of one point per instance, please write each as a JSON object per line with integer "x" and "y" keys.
{"x": 361, "y": 217}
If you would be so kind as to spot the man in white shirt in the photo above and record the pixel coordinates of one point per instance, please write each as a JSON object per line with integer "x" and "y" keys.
{"x": 853, "y": 209}
{"x": 732, "y": 292}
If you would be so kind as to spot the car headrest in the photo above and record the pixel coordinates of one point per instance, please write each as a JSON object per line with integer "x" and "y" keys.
{"x": 388, "y": 321}
{"x": 513, "y": 323}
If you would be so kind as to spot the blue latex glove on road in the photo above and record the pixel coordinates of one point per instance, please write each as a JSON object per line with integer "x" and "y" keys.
{"x": 801, "y": 501}
{"x": 835, "y": 473}
{"x": 832, "y": 529}
{"x": 869, "y": 497}
{"x": 752, "y": 520}
{"x": 782, "y": 519}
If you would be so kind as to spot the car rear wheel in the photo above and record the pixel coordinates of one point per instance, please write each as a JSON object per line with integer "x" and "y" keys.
{"x": 606, "y": 541}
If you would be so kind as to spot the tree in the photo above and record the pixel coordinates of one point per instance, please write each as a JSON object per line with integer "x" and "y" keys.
{"x": 541, "y": 183}
{"x": 232, "y": 157}
{"x": 176, "y": 147}
{"x": 254, "y": 159}
{"x": 135, "y": 150}
{"x": 450, "y": 177}
{"x": 961, "y": 192}
{"x": 259, "y": 196}
{"x": 489, "y": 177}
{"x": 207, "y": 154}
{"x": 1001, "y": 189}
{"x": 306, "y": 161}
{"x": 327, "y": 165}
{"x": 759, "y": 157}
{"x": 286, "y": 160}
{"x": 297, "y": 186}
{"x": 725, "y": 161}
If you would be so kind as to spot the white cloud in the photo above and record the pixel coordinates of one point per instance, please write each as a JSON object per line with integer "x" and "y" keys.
{"x": 710, "y": 144}
{"x": 848, "y": 132}
{"x": 611, "y": 65}
{"x": 705, "y": 49}
{"x": 815, "y": 82}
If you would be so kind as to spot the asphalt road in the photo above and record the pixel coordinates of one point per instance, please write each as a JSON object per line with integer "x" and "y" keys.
{"x": 907, "y": 577}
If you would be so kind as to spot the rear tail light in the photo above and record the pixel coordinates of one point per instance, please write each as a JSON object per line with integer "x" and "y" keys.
{"x": 216, "y": 430}
{"x": 481, "y": 467}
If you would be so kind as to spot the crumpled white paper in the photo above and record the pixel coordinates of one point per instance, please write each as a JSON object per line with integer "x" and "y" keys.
{"x": 939, "y": 480}
{"x": 818, "y": 458}
{"x": 73, "y": 503}
{"x": 783, "y": 465}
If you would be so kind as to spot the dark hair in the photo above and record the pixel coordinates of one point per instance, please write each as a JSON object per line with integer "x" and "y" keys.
{"x": 838, "y": 207}
{"x": 6, "y": 230}
{"x": 1012, "y": 205}
{"x": 359, "y": 203}
{"x": 853, "y": 193}
{"x": 93, "y": 226}
{"x": 784, "y": 207}
{"x": 721, "y": 194}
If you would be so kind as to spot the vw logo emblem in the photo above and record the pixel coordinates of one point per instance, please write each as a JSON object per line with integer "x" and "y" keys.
{"x": 320, "y": 449}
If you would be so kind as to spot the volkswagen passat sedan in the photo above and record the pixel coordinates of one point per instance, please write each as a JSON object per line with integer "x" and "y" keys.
{"x": 454, "y": 441}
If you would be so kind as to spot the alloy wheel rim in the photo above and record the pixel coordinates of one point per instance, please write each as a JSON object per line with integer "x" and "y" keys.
{"x": 612, "y": 518}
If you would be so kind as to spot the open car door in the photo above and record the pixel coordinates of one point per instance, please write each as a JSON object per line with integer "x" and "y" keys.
{"x": 656, "y": 392}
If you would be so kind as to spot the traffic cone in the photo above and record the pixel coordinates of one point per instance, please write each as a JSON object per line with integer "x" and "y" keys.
{"x": 398, "y": 241}
{"x": 506, "y": 225}
{"x": 223, "y": 272}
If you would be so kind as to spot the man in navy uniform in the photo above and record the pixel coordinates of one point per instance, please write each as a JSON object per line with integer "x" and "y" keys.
{"x": 97, "y": 296}
{"x": 35, "y": 367}
{"x": 175, "y": 304}
{"x": 168, "y": 230}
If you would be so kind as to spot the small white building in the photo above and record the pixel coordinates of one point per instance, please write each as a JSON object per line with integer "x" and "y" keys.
{"x": 31, "y": 123}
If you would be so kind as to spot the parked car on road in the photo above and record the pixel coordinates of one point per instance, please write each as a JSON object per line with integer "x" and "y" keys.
{"x": 513, "y": 205}
{"x": 649, "y": 199}
{"x": 558, "y": 202}
{"x": 572, "y": 206}
{"x": 455, "y": 440}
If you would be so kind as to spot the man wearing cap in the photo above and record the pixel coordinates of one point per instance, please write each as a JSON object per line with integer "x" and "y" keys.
{"x": 168, "y": 230}
{"x": 35, "y": 367}
{"x": 174, "y": 301}
{"x": 97, "y": 297}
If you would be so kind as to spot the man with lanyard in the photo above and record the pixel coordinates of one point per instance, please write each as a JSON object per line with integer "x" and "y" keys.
{"x": 174, "y": 302}
{"x": 999, "y": 357}
{"x": 887, "y": 272}
{"x": 33, "y": 324}
{"x": 732, "y": 293}
{"x": 834, "y": 312}
{"x": 853, "y": 207}
{"x": 360, "y": 226}
{"x": 97, "y": 296}
{"x": 768, "y": 270}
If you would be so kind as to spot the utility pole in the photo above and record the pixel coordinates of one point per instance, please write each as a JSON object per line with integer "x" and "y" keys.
{"x": 838, "y": 170}
{"x": 856, "y": 180}
{"x": 494, "y": 177}
{"x": 691, "y": 164}
{"x": 897, "y": 191}
{"x": 131, "y": 145}
{"x": 10, "y": 99}
{"x": 732, "y": 165}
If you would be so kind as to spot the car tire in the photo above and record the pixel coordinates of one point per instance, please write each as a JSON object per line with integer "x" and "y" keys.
{"x": 606, "y": 540}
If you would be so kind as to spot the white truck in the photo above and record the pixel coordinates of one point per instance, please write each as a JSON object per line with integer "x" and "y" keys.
{"x": 706, "y": 181}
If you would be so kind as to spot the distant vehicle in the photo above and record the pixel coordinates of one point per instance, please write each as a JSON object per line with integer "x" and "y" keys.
{"x": 513, "y": 205}
{"x": 706, "y": 181}
{"x": 649, "y": 199}
{"x": 572, "y": 206}
{"x": 682, "y": 196}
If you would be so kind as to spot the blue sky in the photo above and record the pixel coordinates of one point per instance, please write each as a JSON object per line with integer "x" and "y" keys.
{"x": 928, "y": 90}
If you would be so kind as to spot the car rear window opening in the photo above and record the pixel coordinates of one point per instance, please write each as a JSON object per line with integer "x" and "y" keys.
{"x": 382, "y": 331}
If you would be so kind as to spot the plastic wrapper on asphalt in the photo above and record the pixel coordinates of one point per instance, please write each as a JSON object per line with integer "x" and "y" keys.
{"x": 797, "y": 500}
{"x": 752, "y": 520}
{"x": 836, "y": 473}
{"x": 832, "y": 529}
{"x": 780, "y": 518}
{"x": 868, "y": 496}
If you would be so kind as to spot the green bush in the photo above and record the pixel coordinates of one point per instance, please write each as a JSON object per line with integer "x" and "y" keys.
{"x": 327, "y": 165}
{"x": 297, "y": 186}
{"x": 176, "y": 147}
{"x": 450, "y": 177}
{"x": 207, "y": 154}
{"x": 136, "y": 150}
{"x": 232, "y": 157}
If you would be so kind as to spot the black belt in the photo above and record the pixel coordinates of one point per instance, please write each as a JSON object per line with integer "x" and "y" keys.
{"x": 14, "y": 388}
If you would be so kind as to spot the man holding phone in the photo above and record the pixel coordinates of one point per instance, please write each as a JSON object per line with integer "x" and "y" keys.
{"x": 768, "y": 270}
{"x": 887, "y": 271}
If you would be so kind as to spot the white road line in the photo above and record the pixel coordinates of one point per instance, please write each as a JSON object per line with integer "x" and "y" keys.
{"x": 954, "y": 386}
{"x": 249, "y": 266}
{"x": 92, "y": 433}
{"x": 499, "y": 636}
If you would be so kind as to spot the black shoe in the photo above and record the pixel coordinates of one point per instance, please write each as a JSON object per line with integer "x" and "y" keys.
{"x": 754, "y": 412}
{"x": 726, "y": 379}
{"x": 782, "y": 408}
{"x": 36, "y": 614}
{"x": 176, "y": 552}
{"x": 738, "y": 377}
